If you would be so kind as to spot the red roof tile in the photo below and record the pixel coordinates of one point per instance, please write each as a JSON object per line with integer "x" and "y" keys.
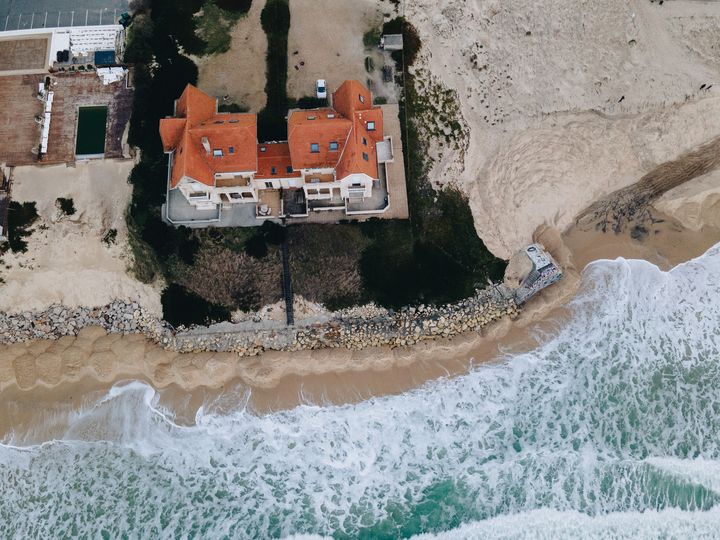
{"x": 233, "y": 134}
{"x": 275, "y": 155}
{"x": 320, "y": 127}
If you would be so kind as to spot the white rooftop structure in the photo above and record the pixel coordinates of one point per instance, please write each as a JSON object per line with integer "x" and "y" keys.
{"x": 391, "y": 42}
{"x": 79, "y": 40}
{"x": 111, "y": 74}
{"x": 88, "y": 39}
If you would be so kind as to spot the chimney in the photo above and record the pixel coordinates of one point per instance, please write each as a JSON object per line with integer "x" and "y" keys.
{"x": 206, "y": 144}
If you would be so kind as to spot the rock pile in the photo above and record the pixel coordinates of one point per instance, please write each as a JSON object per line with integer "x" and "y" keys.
{"x": 356, "y": 328}
{"x": 57, "y": 321}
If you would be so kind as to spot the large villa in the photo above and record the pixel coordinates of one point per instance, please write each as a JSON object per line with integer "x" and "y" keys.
{"x": 335, "y": 160}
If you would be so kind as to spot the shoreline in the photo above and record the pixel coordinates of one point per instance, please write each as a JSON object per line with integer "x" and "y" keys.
{"x": 279, "y": 380}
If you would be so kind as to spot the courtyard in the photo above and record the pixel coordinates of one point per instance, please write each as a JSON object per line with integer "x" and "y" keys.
{"x": 21, "y": 110}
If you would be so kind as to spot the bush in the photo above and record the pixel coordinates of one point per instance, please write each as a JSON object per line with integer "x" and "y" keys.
{"x": 20, "y": 219}
{"x": 183, "y": 307}
{"x": 411, "y": 41}
{"x": 256, "y": 247}
{"x": 311, "y": 102}
{"x": 235, "y": 6}
{"x": 66, "y": 206}
{"x": 275, "y": 21}
{"x": 110, "y": 237}
{"x": 371, "y": 38}
{"x": 232, "y": 108}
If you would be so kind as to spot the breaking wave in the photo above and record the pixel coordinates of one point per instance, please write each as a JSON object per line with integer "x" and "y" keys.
{"x": 610, "y": 428}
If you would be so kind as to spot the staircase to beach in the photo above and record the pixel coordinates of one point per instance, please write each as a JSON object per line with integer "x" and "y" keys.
{"x": 287, "y": 283}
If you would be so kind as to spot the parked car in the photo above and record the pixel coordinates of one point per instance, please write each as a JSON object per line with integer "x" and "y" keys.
{"x": 321, "y": 89}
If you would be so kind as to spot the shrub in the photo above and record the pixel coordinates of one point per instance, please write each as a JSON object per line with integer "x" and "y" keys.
{"x": 232, "y": 108}
{"x": 183, "y": 307}
{"x": 310, "y": 102}
{"x": 110, "y": 237}
{"x": 256, "y": 246}
{"x": 20, "y": 219}
{"x": 371, "y": 38}
{"x": 275, "y": 21}
{"x": 235, "y": 6}
{"x": 66, "y": 206}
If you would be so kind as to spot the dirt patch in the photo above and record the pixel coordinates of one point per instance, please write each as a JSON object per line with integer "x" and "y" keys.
{"x": 23, "y": 54}
{"x": 19, "y": 132}
{"x": 239, "y": 74}
{"x": 326, "y": 42}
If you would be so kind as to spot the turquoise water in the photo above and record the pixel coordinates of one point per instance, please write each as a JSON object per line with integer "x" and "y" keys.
{"x": 610, "y": 429}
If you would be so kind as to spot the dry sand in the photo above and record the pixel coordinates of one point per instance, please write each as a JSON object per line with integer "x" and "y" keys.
{"x": 565, "y": 100}
{"x": 67, "y": 262}
{"x": 327, "y": 36}
{"x": 240, "y": 72}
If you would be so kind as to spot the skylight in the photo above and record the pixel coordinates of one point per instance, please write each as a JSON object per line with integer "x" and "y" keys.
{"x": 314, "y": 148}
{"x": 333, "y": 145}
{"x": 217, "y": 152}
{"x": 371, "y": 126}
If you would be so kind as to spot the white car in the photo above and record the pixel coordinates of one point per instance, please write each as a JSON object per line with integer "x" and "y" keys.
{"x": 321, "y": 89}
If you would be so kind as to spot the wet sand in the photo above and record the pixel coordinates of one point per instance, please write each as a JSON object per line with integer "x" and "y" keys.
{"x": 39, "y": 377}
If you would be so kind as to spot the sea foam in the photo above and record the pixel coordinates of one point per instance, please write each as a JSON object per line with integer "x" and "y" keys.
{"x": 614, "y": 419}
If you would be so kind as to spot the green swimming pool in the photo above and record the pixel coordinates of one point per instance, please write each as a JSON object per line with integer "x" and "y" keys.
{"x": 91, "y": 131}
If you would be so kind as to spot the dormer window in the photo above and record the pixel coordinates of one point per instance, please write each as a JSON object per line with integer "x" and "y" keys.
{"x": 333, "y": 145}
{"x": 314, "y": 148}
{"x": 231, "y": 150}
{"x": 371, "y": 126}
{"x": 217, "y": 152}
{"x": 361, "y": 98}
{"x": 366, "y": 157}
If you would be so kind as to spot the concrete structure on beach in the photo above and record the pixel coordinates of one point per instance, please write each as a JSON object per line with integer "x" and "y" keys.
{"x": 531, "y": 270}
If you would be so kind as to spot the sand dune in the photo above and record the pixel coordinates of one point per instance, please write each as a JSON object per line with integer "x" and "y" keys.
{"x": 566, "y": 100}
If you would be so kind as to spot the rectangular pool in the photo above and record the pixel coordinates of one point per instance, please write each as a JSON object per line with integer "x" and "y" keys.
{"x": 92, "y": 122}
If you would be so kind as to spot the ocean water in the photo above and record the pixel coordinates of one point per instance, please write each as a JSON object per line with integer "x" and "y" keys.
{"x": 609, "y": 429}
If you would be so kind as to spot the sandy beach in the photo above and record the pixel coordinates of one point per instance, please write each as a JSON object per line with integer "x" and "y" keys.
{"x": 67, "y": 371}
{"x": 556, "y": 121}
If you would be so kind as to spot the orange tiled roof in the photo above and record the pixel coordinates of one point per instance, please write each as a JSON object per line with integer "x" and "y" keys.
{"x": 321, "y": 127}
{"x": 351, "y": 97}
{"x": 341, "y": 134}
{"x": 234, "y": 134}
{"x": 277, "y": 156}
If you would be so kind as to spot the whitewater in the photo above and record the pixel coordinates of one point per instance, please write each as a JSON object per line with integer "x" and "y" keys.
{"x": 609, "y": 429}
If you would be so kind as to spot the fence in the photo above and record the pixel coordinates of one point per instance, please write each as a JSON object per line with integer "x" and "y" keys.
{"x": 59, "y": 19}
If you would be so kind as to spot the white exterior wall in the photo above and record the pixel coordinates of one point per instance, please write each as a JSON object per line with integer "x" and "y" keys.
{"x": 356, "y": 183}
